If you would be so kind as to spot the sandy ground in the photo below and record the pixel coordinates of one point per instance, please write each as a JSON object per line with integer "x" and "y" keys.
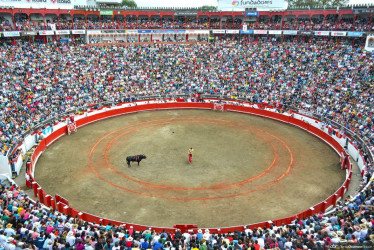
{"x": 245, "y": 169}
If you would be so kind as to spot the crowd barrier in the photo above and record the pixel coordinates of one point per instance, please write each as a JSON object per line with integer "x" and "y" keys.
{"x": 308, "y": 124}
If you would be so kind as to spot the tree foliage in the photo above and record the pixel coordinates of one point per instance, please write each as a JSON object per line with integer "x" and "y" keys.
{"x": 208, "y": 7}
{"x": 129, "y": 3}
{"x": 316, "y": 3}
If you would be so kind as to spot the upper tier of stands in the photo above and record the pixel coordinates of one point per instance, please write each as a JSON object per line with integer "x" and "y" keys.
{"x": 30, "y": 20}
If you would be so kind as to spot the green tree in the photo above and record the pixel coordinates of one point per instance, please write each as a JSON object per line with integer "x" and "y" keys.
{"x": 129, "y": 3}
{"x": 302, "y": 3}
{"x": 332, "y": 3}
{"x": 208, "y": 7}
{"x": 316, "y": 3}
{"x": 335, "y": 3}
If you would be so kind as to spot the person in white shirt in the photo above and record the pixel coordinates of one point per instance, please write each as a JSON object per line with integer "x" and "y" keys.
{"x": 2, "y": 238}
{"x": 70, "y": 238}
{"x": 247, "y": 230}
{"x": 23, "y": 230}
{"x": 288, "y": 244}
{"x": 357, "y": 232}
{"x": 9, "y": 244}
{"x": 364, "y": 231}
{"x": 9, "y": 230}
{"x": 261, "y": 241}
{"x": 334, "y": 238}
{"x": 187, "y": 236}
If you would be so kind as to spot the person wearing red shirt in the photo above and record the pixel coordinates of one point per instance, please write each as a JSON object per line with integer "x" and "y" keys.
{"x": 129, "y": 242}
{"x": 256, "y": 245}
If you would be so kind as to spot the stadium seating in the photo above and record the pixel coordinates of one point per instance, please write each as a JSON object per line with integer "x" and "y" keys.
{"x": 327, "y": 77}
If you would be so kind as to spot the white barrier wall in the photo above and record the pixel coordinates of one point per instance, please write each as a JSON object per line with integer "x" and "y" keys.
{"x": 5, "y": 166}
{"x": 157, "y": 37}
{"x": 192, "y": 37}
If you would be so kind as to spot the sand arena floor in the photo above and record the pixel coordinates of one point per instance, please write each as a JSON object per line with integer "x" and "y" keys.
{"x": 245, "y": 169}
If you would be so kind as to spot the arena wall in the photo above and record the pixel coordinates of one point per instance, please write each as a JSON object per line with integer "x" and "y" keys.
{"x": 309, "y": 124}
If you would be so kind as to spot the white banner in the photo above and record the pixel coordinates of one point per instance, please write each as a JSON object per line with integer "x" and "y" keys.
{"x": 93, "y": 32}
{"x": 53, "y": 26}
{"x": 219, "y": 31}
{"x": 321, "y": 33}
{"x": 46, "y": 32}
{"x": 197, "y": 31}
{"x": 369, "y": 45}
{"x": 275, "y": 32}
{"x": 245, "y": 27}
{"x": 232, "y": 31}
{"x": 244, "y": 4}
{"x": 81, "y": 32}
{"x": 11, "y": 33}
{"x": 30, "y": 33}
{"x": 62, "y": 32}
{"x": 131, "y": 31}
{"x": 260, "y": 32}
{"x": 338, "y": 33}
{"x": 289, "y": 32}
{"x": 41, "y": 4}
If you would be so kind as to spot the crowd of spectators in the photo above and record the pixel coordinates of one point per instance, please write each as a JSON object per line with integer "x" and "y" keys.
{"x": 330, "y": 23}
{"x": 25, "y": 224}
{"x": 5, "y": 24}
{"x": 41, "y": 81}
{"x": 316, "y": 23}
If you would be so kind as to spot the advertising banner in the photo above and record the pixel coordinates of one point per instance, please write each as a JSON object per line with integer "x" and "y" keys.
{"x": 219, "y": 31}
{"x": 11, "y": 33}
{"x": 275, "y": 32}
{"x": 246, "y": 32}
{"x": 185, "y": 13}
{"x": 62, "y": 32}
{"x": 197, "y": 32}
{"x": 106, "y": 13}
{"x": 129, "y": 32}
{"x": 338, "y": 33}
{"x": 289, "y": 32}
{"x": 251, "y": 13}
{"x": 322, "y": 33}
{"x": 263, "y": 32}
{"x": 80, "y": 32}
{"x": 173, "y": 31}
{"x": 244, "y": 4}
{"x": 46, "y": 32}
{"x": 306, "y": 33}
{"x": 232, "y": 31}
{"x": 144, "y": 31}
{"x": 355, "y": 34}
{"x": 93, "y": 32}
{"x": 29, "y": 33}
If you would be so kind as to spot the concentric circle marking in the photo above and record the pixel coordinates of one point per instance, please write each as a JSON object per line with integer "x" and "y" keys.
{"x": 174, "y": 188}
{"x": 212, "y": 187}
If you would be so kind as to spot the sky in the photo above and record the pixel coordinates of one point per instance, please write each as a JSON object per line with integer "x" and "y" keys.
{"x": 198, "y": 3}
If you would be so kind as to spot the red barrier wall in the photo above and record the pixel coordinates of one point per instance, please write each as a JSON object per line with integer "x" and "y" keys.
{"x": 62, "y": 204}
{"x": 61, "y": 199}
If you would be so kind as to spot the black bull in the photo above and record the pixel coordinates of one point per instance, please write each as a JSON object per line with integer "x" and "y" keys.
{"x": 136, "y": 158}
